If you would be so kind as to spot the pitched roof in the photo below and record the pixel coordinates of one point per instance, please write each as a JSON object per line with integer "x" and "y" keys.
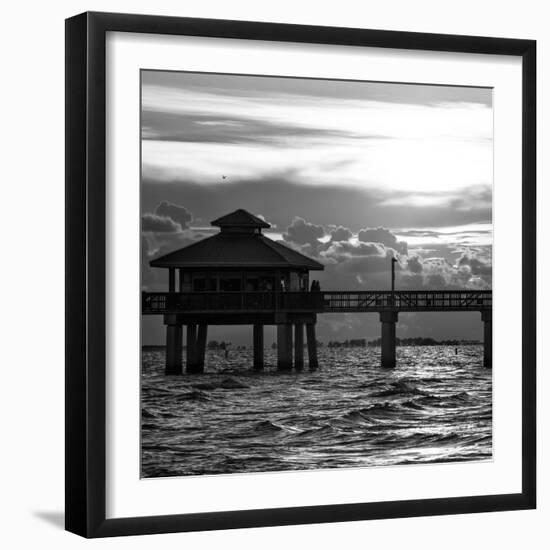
{"x": 240, "y": 250}
{"x": 240, "y": 218}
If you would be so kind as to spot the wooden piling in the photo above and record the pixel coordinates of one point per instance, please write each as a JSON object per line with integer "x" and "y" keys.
{"x": 312, "y": 346}
{"x": 173, "y": 362}
{"x": 191, "y": 346}
{"x": 201, "y": 346}
{"x": 258, "y": 338}
{"x": 284, "y": 346}
{"x": 298, "y": 346}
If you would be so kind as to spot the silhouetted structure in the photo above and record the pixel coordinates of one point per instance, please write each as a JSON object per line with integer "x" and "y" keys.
{"x": 233, "y": 271}
{"x": 239, "y": 277}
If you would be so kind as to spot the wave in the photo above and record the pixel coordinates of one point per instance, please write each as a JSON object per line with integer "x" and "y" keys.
{"x": 194, "y": 395}
{"x": 372, "y": 414}
{"x": 225, "y": 384}
{"x": 266, "y": 427}
{"x": 413, "y": 404}
{"x": 400, "y": 387}
{"x": 348, "y": 413}
{"x": 459, "y": 397}
{"x": 232, "y": 384}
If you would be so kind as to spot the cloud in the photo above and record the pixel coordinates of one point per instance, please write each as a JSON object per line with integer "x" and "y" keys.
{"x": 340, "y": 233}
{"x": 178, "y": 214}
{"x": 383, "y": 236}
{"x": 272, "y": 224}
{"x": 365, "y": 262}
{"x": 279, "y": 196}
{"x": 414, "y": 264}
{"x": 302, "y": 232}
{"x": 163, "y": 87}
{"x": 159, "y": 224}
{"x": 477, "y": 266}
{"x": 225, "y": 128}
{"x": 342, "y": 250}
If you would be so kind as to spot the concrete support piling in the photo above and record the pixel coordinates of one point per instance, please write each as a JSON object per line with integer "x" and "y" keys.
{"x": 298, "y": 346}
{"x": 284, "y": 346}
{"x": 388, "y": 320}
{"x": 487, "y": 318}
{"x": 173, "y": 364}
{"x": 258, "y": 337}
{"x": 312, "y": 346}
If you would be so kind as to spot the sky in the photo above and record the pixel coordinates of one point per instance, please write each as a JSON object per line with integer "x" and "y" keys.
{"x": 350, "y": 173}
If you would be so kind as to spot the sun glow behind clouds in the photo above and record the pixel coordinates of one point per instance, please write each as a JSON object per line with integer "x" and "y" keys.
{"x": 314, "y": 139}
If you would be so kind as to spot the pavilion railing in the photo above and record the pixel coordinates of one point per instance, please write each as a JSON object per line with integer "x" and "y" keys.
{"x": 319, "y": 302}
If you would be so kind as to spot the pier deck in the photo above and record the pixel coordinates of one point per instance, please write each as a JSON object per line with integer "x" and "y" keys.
{"x": 336, "y": 301}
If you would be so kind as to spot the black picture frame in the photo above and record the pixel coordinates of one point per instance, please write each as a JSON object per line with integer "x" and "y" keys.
{"x": 86, "y": 284}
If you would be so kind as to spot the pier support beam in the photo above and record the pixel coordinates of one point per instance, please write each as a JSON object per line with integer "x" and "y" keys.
{"x": 173, "y": 363}
{"x": 201, "y": 346}
{"x": 388, "y": 320}
{"x": 191, "y": 365}
{"x": 312, "y": 346}
{"x": 298, "y": 346}
{"x": 487, "y": 318}
{"x": 258, "y": 337}
{"x": 284, "y": 347}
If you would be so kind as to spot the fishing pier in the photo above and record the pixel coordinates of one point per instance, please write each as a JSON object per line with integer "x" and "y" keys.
{"x": 241, "y": 277}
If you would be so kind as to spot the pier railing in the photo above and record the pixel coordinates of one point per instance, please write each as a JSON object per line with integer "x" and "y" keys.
{"x": 316, "y": 302}
{"x": 407, "y": 300}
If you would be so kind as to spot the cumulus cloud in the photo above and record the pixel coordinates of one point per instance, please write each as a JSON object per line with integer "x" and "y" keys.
{"x": 414, "y": 264}
{"x": 340, "y": 233}
{"x": 302, "y": 232}
{"x": 383, "y": 236}
{"x": 342, "y": 250}
{"x": 476, "y": 265}
{"x": 177, "y": 213}
{"x": 365, "y": 263}
{"x": 159, "y": 224}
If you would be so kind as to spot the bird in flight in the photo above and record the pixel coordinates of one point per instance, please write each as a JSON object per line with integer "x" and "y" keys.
{"x": 223, "y": 177}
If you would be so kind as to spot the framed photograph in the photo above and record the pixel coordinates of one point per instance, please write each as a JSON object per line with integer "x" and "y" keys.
{"x": 300, "y": 274}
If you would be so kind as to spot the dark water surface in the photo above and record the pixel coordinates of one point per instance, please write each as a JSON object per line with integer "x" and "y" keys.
{"x": 434, "y": 407}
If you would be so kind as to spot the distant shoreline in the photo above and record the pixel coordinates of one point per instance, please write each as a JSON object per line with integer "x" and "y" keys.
{"x": 335, "y": 345}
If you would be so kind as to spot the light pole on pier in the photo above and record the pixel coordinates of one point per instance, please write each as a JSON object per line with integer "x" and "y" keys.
{"x": 393, "y": 262}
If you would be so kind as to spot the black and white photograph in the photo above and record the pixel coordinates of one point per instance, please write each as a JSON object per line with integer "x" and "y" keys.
{"x": 316, "y": 273}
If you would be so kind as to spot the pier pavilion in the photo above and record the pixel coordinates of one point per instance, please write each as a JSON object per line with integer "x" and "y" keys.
{"x": 241, "y": 277}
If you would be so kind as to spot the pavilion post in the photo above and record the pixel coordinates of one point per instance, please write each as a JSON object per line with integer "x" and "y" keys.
{"x": 173, "y": 362}
{"x": 201, "y": 346}
{"x": 191, "y": 355}
{"x": 299, "y": 346}
{"x": 258, "y": 337}
{"x": 284, "y": 346}
{"x": 312, "y": 346}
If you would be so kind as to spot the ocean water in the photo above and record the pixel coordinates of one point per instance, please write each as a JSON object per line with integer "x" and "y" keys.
{"x": 435, "y": 406}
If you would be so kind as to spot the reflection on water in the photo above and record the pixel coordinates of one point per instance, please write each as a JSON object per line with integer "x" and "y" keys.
{"x": 435, "y": 406}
